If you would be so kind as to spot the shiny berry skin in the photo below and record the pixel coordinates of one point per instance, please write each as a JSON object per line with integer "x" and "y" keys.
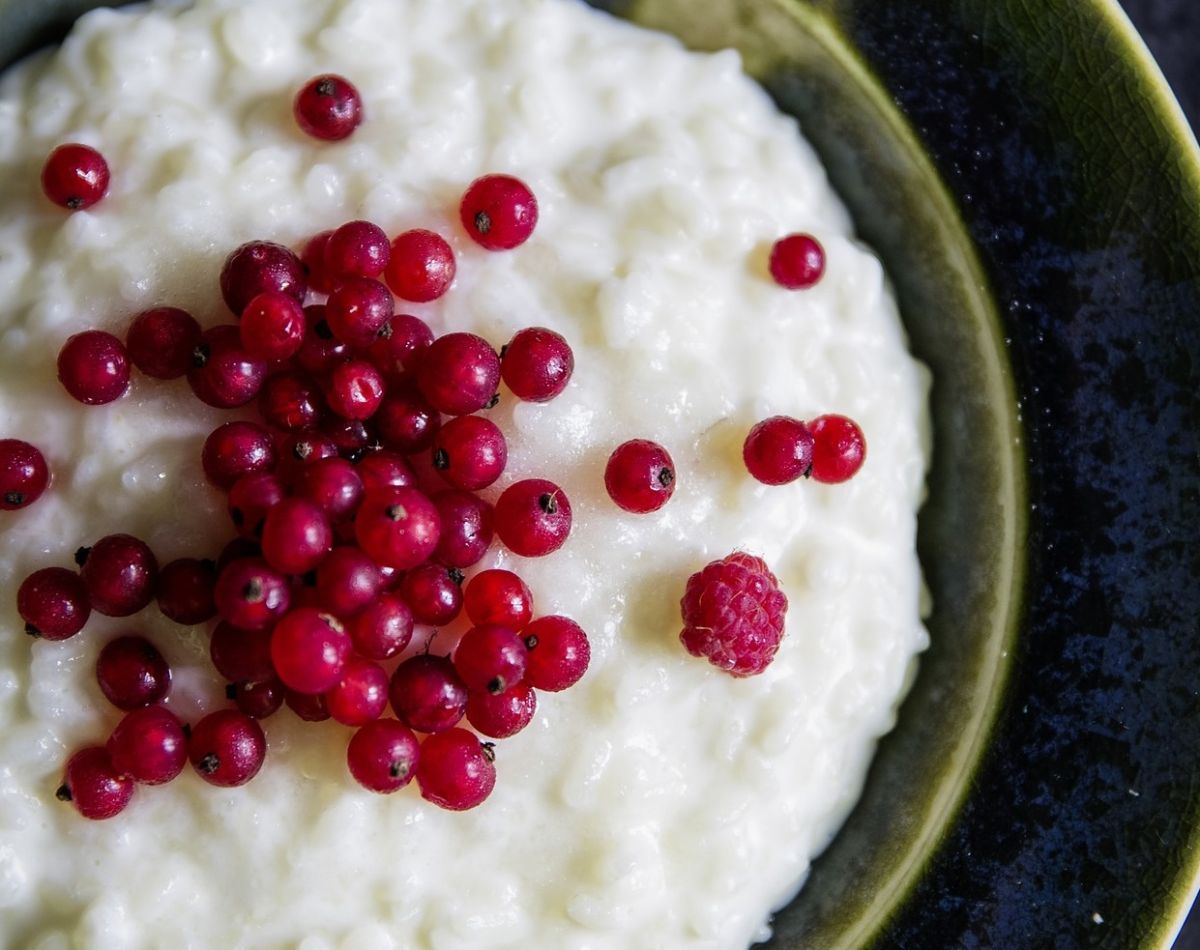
{"x": 422, "y": 266}
{"x": 291, "y": 401}
{"x": 347, "y": 581}
{"x": 227, "y": 748}
{"x": 778, "y": 450}
{"x": 321, "y": 351}
{"x": 258, "y": 700}
{"x": 399, "y": 528}
{"x": 466, "y": 528}
{"x": 132, "y": 673}
{"x": 23, "y": 474}
{"x": 149, "y": 745}
{"x": 120, "y": 572}
{"x": 405, "y": 421}
{"x": 427, "y": 693}
{"x": 296, "y": 536}
{"x": 433, "y": 593}
{"x": 499, "y": 597}
{"x": 241, "y": 655}
{"x": 459, "y": 374}
{"x": 333, "y": 485}
{"x": 251, "y": 595}
{"x": 640, "y": 476}
{"x": 382, "y": 629}
{"x": 250, "y": 498}
{"x": 533, "y": 517}
{"x": 355, "y": 389}
{"x": 301, "y": 449}
{"x": 350, "y": 436}
{"x": 223, "y": 374}
{"x": 470, "y": 452}
{"x": 272, "y": 326}
{"x": 733, "y": 614}
{"x": 401, "y": 343}
{"x": 559, "y": 653}
{"x": 328, "y": 107}
{"x": 185, "y": 590}
{"x": 309, "y": 649}
{"x": 382, "y": 756}
{"x": 357, "y": 249}
{"x": 499, "y": 212}
{"x": 236, "y": 449}
{"x": 75, "y": 176}
{"x": 357, "y": 310}
{"x": 312, "y": 256}
{"x": 160, "y": 342}
{"x": 797, "y": 261}
{"x": 93, "y": 785}
{"x": 382, "y": 471}
{"x": 502, "y": 715}
{"x": 361, "y": 695}
{"x": 94, "y": 367}
{"x": 537, "y": 364}
{"x": 54, "y": 603}
{"x": 491, "y": 658}
{"x": 455, "y": 770}
{"x": 839, "y": 449}
{"x": 311, "y": 707}
{"x": 260, "y": 266}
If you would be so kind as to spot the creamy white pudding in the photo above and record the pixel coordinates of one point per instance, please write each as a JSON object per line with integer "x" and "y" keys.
{"x": 659, "y": 803}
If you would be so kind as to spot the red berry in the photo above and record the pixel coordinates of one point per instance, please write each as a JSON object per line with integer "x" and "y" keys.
{"x": 405, "y": 421}
{"x": 311, "y": 707}
{"x": 459, "y": 374}
{"x": 357, "y": 310}
{"x": 355, "y": 390}
{"x": 296, "y": 536}
{"x": 382, "y": 756}
{"x": 333, "y": 485}
{"x": 272, "y": 326}
{"x": 382, "y": 629}
{"x": 466, "y": 528}
{"x": 93, "y": 785}
{"x": 733, "y": 612}
{"x": 321, "y": 351}
{"x": 401, "y": 343}
{"x": 257, "y": 267}
{"x": 470, "y": 452}
{"x": 427, "y": 693}
{"x": 54, "y": 603}
{"x": 559, "y": 653}
{"x": 350, "y": 437}
{"x": 382, "y": 471}
{"x": 502, "y": 715}
{"x": 223, "y": 374}
{"x": 422, "y": 266}
{"x": 839, "y": 448}
{"x": 132, "y": 673}
{"x": 328, "y": 107}
{"x": 491, "y": 658}
{"x": 357, "y": 249}
{"x": 455, "y": 770}
{"x": 309, "y": 650}
{"x": 537, "y": 364}
{"x": 499, "y": 212}
{"x": 433, "y": 593}
{"x": 236, "y": 449}
{"x": 161, "y": 342}
{"x": 302, "y": 449}
{"x": 120, "y": 572}
{"x": 185, "y": 590}
{"x": 498, "y": 597}
{"x": 778, "y": 450}
{"x": 75, "y": 176}
{"x": 93, "y": 367}
{"x": 797, "y": 261}
{"x": 227, "y": 748}
{"x": 259, "y": 700}
{"x": 241, "y": 655}
{"x": 347, "y": 581}
{"x": 291, "y": 401}
{"x": 361, "y": 694}
{"x": 23, "y": 474}
{"x": 149, "y": 745}
{"x": 313, "y": 258}
{"x": 250, "y": 498}
{"x": 640, "y": 476}
{"x": 533, "y": 517}
{"x": 251, "y": 595}
{"x": 399, "y": 528}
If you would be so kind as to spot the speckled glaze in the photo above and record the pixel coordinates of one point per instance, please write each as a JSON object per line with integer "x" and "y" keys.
{"x": 1037, "y": 199}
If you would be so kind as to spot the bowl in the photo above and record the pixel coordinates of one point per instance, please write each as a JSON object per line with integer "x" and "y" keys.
{"x": 1035, "y": 195}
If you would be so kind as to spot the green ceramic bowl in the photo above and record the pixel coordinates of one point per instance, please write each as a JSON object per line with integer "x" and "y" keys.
{"x": 1035, "y": 195}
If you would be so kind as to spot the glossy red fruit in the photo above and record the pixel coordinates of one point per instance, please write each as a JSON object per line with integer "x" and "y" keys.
{"x": 328, "y": 107}
{"x": 455, "y": 770}
{"x": 533, "y": 517}
{"x": 361, "y": 695}
{"x": 250, "y": 498}
{"x": 427, "y": 693}
{"x": 272, "y": 326}
{"x": 502, "y": 715}
{"x": 499, "y": 212}
{"x": 132, "y": 673}
{"x": 559, "y": 653}
{"x": 251, "y": 595}
{"x": 347, "y": 581}
{"x": 149, "y": 745}
{"x": 94, "y": 367}
{"x": 291, "y": 401}
{"x": 259, "y": 700}
{"x": 466, "y": 528}
{"x": 405, "y": 420}
{"x": 54, "y": 603}
{"x": 313, "y": 258}
{"x": 422, "y": 266}
{"x": 433, "y": 593}
{"x": 357, "y": 249}
{"x": 236, "y": 449}
{"x": 160, "y": 342}
{"x": 296, "y": 536}
{"x": 640, "y": 476}
{"x": 223, "y": 374}
{"x": 459, "y": 374}
{"x": 75, "y": 176}
{"x": 185, "y": 590}
{"x": 260, "y": 266}
{"x": 357, "y": 310}
{"x": 537, "y": 364}
{"x": 399, "y": 528}
{"x": 23, "y": 474}
{"x": 309, "y": 650}
{"x": 778, "y": 450}
{"x": 332, "y": 484}
{"x": 498, "y": 597}
{"x": 491, "y": 658}
{"x": 120, "y": 572}
{"x": 797, "y": 261}
{"x": 470, "y": 452}
{"x": 383, "y": 756}
{"x": 241, "y": 655}
{"x": 321, "y": 351}
{"x": 398, "y": 348}
{"x": 839, "y": 449}
{"x": 355, "y": 389}
{"x": 93, "y": 785}
{"x": 382, "y": 471}
{"x": 383, "y": 629}
{"x": 227, "y": 748}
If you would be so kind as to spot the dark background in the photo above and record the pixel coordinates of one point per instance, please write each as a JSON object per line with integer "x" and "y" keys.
{"x": 1171, "y": 28}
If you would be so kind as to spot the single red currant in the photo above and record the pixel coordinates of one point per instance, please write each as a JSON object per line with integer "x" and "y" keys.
{"x": 455, "y": 770}
{"x": 251, "y": 595}
{"x": 54, "y": 603}
{"x": 309, "y": 650}
{"x": 161, "y": 342}
{"x": 797, "y": 261}
{"x": 502, "y": 715}
{"x": 250, "y": 498}
{"x": 398, "y": 348}
{"x": 328, "y": 107}
{"x": 94, "y": 367}
{"x": 120, "y": 572}
{"x": 559, "y": 653}
{"x": 259, "y": 266}
{"x": 399, "y": 528}
{"x": 241, "y": 655}
{"x": 272, "y": 326}
{"x": 421, "y": 267}
{"x": 311, "y": 707}
{"x": 537, "y": 364}
{"x": 640, "y": 476}
{"x": 357, "y": 249}
{"x": 258, "y": 700}
{"x": 291, "y": 401}
{"x": 427, "y": 693}
{"x": 296, "y": 536}
{"x": 405, "y": 421}
{"x": 94, "y": 786}
{"x": 75, "y": 176}
{"x": 470, "y": 452}
{"x": 778, "y": 450}
{"x": 433, "y": 593}
{"x": 236, "y": 449}
{"x": 333, "y": 485}
{"x": 347, "y": 581}
{"x": 466, "y": 528}
{"x": 149, "y": 745}
{"x": 498, "y": 597}
{"x": 355, "y": 390}
{"x": 459, "y": 374}
{"x": 321, "y": 351}
{"x": 351, "y": 437}
{"x": 223, "y": 374}
{"x": 301, "y": 449}
{"x": 382, "y": 471}
{"x": 132, "y": 673}
{"x": 357, "y": 310}
{"x": 491, "y": 658}
{"x": 227, "y": 748}
{"x": 499, "y": 212}
{"x": 185, "y": 590}
{"x": 313, "y": 259}
{"x": 533, "y": 517}
{"x": 361, "y": 695}
{"x": 382, "y": 629}
{"x": 23, "y": 474}
{"x": 382, "y": 756}
{"x": 839, "y": 448}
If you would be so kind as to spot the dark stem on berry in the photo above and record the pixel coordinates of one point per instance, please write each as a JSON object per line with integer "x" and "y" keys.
{"x": 548, "y": 503}
{"x": 236, "y": 516}
{"x": 64, "y": 793}
{"x": 489, "y": 750}
{"x": 396, "y": 513}
{"x": 187, "y": 730}
{"x": 321, "y": 329}
{"x": 807, "y": 473}
{"x": 15, "y": 498}
{"x": 231, "y": 690}
{"x": 665, "y": 477}
{"x": 385, "y": 331}
{"x": 201, "y": 355}
{"x": 441, "y": 460}
{"x": 325, "y": 87}
{"x": 209, "y": 764}
{"x": 483, "y": 222}
{"x": 81, "y": 556}
{"x": 302, "y": 450}
{"x": 531, "y": 641}
{"x": 456, "y": 575}
{"x": 32, "y": 630}
{"x": 495, "y": 686}
{"x": 494, "y": 401}
{"x": 252, "y": 593}
{"x": 503, "y": 350}
{"x": 74, "y": 202}
{"x": 398, "y": 769}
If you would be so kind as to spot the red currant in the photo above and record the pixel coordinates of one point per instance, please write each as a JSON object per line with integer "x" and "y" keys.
{"x": 470, "y": 452}
{"x": 357, "y": 310}
{"x": 361, "y": 694}
{"x": 328, "y": 107}
{"x": 399, "y": 528}
{"x": 498, "y": 597}
{"x": 250, "y": 498}
{"x": 223, "y": 374}
{"x": 499, "y": 212}
{"x": 347, "y": 581}
{"x": 260, "y": 699}
{"x": 161, "y": 342}
{"x": 421, "y": 267}
{"x": 311, "y": 707}
{"x": 259, "y": 266}
{"x": 839, "y": 448}
{"x": 272, "y": 326}
{"x": 559, "y": 653}
{"x": 459, "y": 374}
{"x": 778, "y": 450}
{"x": 398, "y": 348}
{"x": 433, "y": 593}
{"x": 313, "y": 258}
{"x": 537, "y": 364}
{"x": 640, "y": 476}
{"x": 94, "y": 367}
{"x": 533, "y": 517}
{"x": 490, "y": 658}
{"x": 149, "y": 745}
{"x": 291, "y": 401}
{"x": 120, "y": 572}
{"x": 251, "y": 595}
{"x": 455, "y": 770}
{"x": 296, "y": 536}
{"x": 54, "y": 603}
{"x": 94, "y": 786}
{"x": 405, "y": 421}
{"x": 382, "y": 629}
{"x": 502, "y": 715}
{"x": 382, "y": 756}
{"x": 309, "y": 650}
{"x": 75, "y": 176}
{"x": 236, "y": 449}
{"x": 355, "y": 390}
{"x": 23, "y": 474}
{"x": 797, "y": 261}
{"x": 333, "y": 485}
{"x": 227, "y": 748}
{"x": 466, "y": 528}
{"x": 132, "y": 673}
{"x": 357, "y": 249}
{"x": 321, "y": 351}
{"x": 427, "y": 693}
{"x": 382, "y": 471}
{"x": 241, "y": 655}
{"x": 185, "y": 590}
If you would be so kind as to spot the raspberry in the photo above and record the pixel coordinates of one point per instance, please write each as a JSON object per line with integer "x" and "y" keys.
{"x": 733, "y": 614}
